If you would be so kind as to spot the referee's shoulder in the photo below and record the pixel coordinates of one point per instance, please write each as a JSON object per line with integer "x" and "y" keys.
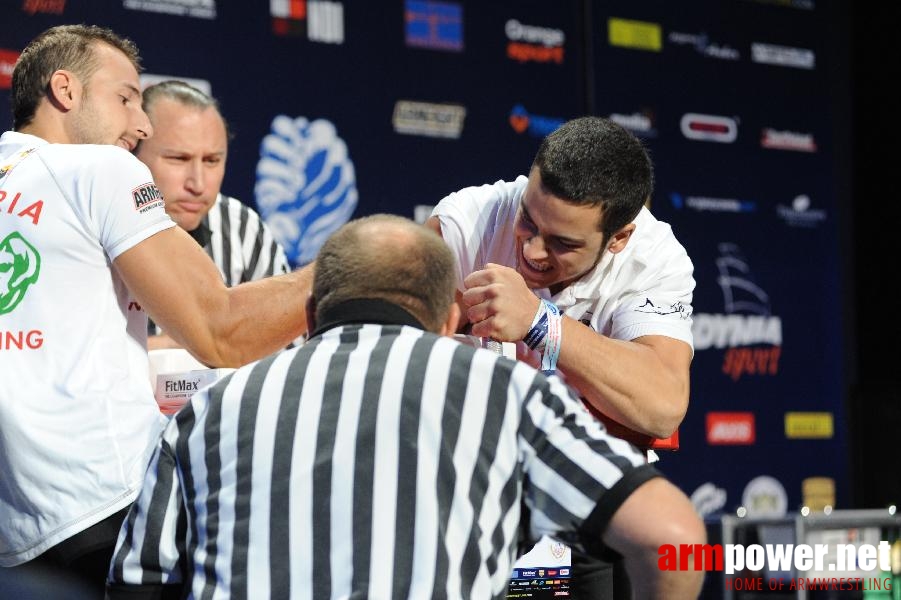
{"x": 231, "y": 203}
{"x": 469, "y": 352}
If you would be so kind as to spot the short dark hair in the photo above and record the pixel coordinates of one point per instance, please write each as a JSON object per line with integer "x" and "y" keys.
{"x": 183, "y": 93}
{"x": 180, "y": 91}
{"x": 69, "y": 47}
{"x": 596, "y": 162}
{"x": 391, "y": 258}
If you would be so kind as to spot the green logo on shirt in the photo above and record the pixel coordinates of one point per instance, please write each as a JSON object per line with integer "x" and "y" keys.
{"x": 20, "y": 264}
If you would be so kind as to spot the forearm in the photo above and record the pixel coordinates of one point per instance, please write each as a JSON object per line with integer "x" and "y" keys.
{"x": 181, "y": 289}
{"x": 642, "y": 384}
{"x": 235, "y": 326}
{"x": 627, "y": 381}
{"x": 263, "y": 316}
{"x": 246, "y": 329}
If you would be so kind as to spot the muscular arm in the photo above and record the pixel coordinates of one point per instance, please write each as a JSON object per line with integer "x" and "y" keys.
{"x": 180, "y": 288}
{"x": 642, "y": 384}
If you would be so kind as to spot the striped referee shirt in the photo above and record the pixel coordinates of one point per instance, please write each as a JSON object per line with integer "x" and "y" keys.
{"x": 240, "y": 244}
{"x": 375, "y": 461}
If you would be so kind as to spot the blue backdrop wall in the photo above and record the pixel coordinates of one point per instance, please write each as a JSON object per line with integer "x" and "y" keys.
{"x": 343, "y": 109}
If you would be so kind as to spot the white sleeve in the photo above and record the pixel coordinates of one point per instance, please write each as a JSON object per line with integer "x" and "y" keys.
{"x": 664, "y": 309}
{"x": 117, "y": 199}
{"x": 470, "y": 217}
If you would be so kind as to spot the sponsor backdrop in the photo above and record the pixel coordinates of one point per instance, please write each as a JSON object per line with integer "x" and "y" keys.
{"x": 343, "y": 109}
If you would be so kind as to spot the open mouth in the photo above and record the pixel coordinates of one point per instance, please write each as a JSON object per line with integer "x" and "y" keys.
{"x": 534, "y": 266}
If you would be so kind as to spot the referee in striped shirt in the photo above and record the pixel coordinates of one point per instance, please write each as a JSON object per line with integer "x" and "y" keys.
{"x": 187, "y": 155}
{"x": 382, "y": 459}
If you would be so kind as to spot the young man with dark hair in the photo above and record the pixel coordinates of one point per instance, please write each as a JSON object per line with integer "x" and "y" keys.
{"x": 570, "y": 263}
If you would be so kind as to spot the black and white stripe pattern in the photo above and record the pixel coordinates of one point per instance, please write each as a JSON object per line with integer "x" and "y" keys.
{"x": 241, "y": 244}
{"x": 375, "y": 461}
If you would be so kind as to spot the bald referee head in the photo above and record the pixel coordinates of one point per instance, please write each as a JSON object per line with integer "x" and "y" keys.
{"x": 390, "y": 258}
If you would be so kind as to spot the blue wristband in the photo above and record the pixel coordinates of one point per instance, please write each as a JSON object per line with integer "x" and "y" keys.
{"x": 538, "y": 332}
{"x": 553, "y": 340}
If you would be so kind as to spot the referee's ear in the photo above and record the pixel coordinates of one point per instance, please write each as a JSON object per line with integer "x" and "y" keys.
{"x": 311, "y": 314}
{"x": 451, "y": 322}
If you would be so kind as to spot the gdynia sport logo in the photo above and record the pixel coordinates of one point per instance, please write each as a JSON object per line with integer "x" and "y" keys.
{"x": 842, "y": 562}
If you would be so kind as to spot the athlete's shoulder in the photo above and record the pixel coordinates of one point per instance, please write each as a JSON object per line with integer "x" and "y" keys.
{"x": 111, "y": 161}
{"x": 655, "y": 245}
{"x": 90, "y": 153}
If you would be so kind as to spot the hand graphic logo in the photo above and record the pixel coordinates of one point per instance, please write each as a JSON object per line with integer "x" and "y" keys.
{"x": 306, "y": 185}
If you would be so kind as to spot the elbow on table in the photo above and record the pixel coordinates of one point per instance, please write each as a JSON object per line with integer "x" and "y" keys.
{"x": 669, "y": 418}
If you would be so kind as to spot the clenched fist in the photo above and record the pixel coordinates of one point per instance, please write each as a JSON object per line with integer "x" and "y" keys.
{"x": 499, "y": 304}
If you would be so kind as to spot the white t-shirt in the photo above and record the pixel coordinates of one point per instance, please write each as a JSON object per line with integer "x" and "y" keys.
{"x": 77, "y": 415}
{"x": 645, "y": 289}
